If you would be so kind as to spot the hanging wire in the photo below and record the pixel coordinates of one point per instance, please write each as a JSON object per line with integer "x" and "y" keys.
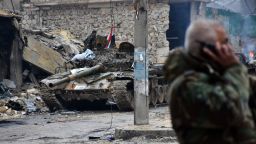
{"x": 248, "y": 7}
{"x": 13, "y": 6}
{"x": 112, "y": 14}
{"x": 112, "y": 25}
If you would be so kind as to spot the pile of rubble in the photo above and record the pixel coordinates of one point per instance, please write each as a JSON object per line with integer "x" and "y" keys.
{"x": 59, "y": 40}
{"x": 74, "y": 52}
{"x": 49, "y": 51}
{"x": 15, "y": 104}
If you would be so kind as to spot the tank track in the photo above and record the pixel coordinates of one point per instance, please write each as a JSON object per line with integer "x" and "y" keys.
{"x": 51, "y": 100}
{"x": 121, "y": 96}
{"x": 157, "y": 92}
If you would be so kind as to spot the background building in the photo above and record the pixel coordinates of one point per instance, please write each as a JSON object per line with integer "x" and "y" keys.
{"x": 11, "y": 5}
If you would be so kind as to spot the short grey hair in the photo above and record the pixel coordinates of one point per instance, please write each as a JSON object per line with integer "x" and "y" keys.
{"x": 200, "y": 30}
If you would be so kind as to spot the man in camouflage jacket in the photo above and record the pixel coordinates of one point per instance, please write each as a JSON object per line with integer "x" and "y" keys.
{"x": 209, "y": 89}
{"x": 252, "y": 100}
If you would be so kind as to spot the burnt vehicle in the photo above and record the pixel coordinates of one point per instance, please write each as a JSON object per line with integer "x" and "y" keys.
{"x": 111, "y": 81}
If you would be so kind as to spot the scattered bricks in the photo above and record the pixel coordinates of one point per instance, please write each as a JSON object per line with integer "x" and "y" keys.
{"x": 2, "y": 103}
{"x": 32, "y": 91}
{"x": 3, "y": 109}
{"x": 10, "y": 112}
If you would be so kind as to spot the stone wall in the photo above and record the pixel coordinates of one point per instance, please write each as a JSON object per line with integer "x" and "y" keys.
{"x": 7, "y": 5}
{"x": 81, "y": 19}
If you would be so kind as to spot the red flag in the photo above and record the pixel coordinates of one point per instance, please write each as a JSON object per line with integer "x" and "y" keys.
{"x": 109, "y": 38}
{"x": 251, "y": 54}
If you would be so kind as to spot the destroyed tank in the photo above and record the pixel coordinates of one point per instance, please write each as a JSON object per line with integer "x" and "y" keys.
{"x": 112, "y": 80}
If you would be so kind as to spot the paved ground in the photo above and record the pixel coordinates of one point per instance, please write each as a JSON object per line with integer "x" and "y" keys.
{"x": 83, "y": 127}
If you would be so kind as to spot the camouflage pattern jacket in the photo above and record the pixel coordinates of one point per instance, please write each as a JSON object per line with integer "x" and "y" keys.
{"x": 208, "y": 107}
{"x": 252, "y": 101}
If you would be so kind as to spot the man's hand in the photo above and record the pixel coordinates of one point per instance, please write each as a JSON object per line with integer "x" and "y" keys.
{"x": 224, "y": 55}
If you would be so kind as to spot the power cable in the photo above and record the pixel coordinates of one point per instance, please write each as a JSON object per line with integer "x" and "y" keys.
{"x": 13, "y": 6}
{"x": 112, "y": 14}
{"x": 111, "y": 120}
{"x": 247, "y": 5}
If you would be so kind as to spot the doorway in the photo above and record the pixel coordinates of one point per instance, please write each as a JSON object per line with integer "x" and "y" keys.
{"x": 179, "y": 21}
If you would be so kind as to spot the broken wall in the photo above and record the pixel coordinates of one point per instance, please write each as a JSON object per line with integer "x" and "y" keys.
{"x": 83, "y": 18}
{"x": 6, "y": 38}
{"x": 10, "y": 50}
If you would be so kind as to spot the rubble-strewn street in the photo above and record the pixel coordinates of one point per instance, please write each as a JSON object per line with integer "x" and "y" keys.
{"x": 92, "y": 127}
{"x": 15, "y": 104}
{"x": 120, "y": 71}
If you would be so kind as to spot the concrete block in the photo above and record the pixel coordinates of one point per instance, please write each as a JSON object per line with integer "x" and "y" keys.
{"x": 161, "y": 60}
{"x": 143, "y": 130}
{"x": 162, "y": 54}
{"x": 163, "y": 51}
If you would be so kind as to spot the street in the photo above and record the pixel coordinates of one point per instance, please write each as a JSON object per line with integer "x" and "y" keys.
{"x": 79, "y": 127}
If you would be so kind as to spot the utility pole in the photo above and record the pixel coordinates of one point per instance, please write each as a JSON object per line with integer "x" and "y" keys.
{"x": 141, "y": 94}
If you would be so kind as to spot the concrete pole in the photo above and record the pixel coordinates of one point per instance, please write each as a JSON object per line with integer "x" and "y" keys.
{"x": 141, "y": 111}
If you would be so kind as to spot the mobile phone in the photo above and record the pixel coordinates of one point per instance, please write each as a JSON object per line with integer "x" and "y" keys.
{"x": 211, "y": 47}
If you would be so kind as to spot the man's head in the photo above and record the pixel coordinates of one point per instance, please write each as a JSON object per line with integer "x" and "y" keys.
{"x": 204, "y": 33}
{"x": 94, "y": 32}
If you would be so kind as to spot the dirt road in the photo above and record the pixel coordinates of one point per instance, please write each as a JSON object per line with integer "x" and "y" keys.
{"x": 78, "y": 127}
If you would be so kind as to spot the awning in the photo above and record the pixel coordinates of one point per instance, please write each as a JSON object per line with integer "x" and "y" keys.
{"x": 245, "y": 7}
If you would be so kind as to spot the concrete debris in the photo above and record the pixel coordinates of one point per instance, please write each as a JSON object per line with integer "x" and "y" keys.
{"x": 62, "y": 41}
{"x": 4, "y": 91}
{"x": 33, "y": 79}
{"x": 39, "y": 55}
{"x": 21, "y": 104}
{"x": 3, "y": 109}
{"x": 51, "y": 51}
{"x": 41, "y": 32}
{"x": 33, "y": 91}
{"x": 8, "y": 83}
{"x": 77, "y": 42}
{"x": 70, "y": 49}
{"x": 7, "y": 112}
{"x": 16, "y": 104}
{"x": 25, "y": 73}
{"x": 68, "y": 46}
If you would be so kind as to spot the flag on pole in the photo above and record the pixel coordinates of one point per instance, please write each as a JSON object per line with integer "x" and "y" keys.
{"x": 109, "y": 38}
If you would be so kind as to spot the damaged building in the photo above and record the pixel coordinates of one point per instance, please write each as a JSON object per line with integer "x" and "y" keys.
{"x": 80, "y": 18}
{"x": 11, "y": 46}
{"x": 83, "y": 16}
{"x": 71, "y": 68}
{"x": 53, "y": 33}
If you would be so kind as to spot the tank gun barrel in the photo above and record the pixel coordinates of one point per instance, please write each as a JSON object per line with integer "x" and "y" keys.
{"x": 78, "y": 74}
